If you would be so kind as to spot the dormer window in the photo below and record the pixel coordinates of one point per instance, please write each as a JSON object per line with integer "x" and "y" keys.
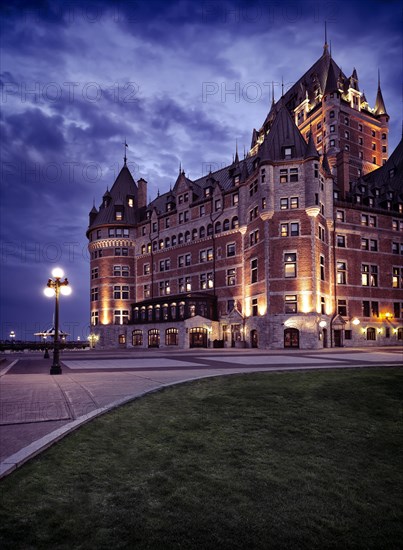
{"x": 207, "y": 192}
{"x": 391, "y": 173}
{"x": 119, "y": 215}
{"x": 236, "y": 180}
{"x": 130, "y": 202}
{"x": 287, "y": 152}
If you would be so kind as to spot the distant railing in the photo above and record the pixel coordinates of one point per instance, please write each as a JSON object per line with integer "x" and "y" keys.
{"x": 40, "y": 346}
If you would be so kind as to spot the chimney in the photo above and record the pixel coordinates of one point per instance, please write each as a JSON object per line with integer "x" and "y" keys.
{"x": 142, "y": 193}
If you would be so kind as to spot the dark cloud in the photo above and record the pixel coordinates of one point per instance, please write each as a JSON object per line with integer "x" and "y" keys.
{"x": 81, "y": 77}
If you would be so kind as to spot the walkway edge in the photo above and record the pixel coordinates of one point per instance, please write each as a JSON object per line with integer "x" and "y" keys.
{"x": 16, "y": 460}
{"x": 6, "y": 369}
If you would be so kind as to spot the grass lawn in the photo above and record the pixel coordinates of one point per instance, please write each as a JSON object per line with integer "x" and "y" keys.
{"x": 268, "y": 460}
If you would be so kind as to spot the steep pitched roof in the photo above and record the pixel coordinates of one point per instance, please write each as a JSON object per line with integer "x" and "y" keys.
{"x": 380, "y": 108}
{"x": 311, "y": 151}
{"x": 387, "y": 178}
{"x": 123, "y": 187}
{"x": 283, "y": 133}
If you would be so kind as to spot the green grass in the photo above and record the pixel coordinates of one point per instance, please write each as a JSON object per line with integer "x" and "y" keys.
{"x": 289, "y": 460}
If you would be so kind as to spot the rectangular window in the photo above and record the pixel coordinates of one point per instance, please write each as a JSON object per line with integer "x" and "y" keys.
{"x": 121, "y": 316}
{"x": 254, "y": 237}
{"x": 283, "y": 175}
{"x": 322, "y": 268}
{"x": 341, "y": 241}
{"x": 284, "y": 204}
{"x": 94, "y": 294}
{"x": 366, "y": 308}
{"x": 340, "y": 215}
{"x": 253, "y": 188}
{"x": 294, "y": 202}
{"x": 94, "y": 318}
{"x": 231, "y": 277}
{"x": 254, "y": 307}
{"x": 94, "y": 273}
{"x": 290, "y": 303}
{"x": 230, "y": 249}
{"x": 146, "y": 291}
{"x": 253, "y": 268}
{"x": 342, "y": 308}
{"x": 293, "y": 175}
{"x": 290, "y": 265}
{"x": 235, "y": 199}
{"x": 398, "y": 309}
{"x": 341, "y": 275}
{"x": 146, "y": 269}
{"x": 203, "y": 256}
{"x": 397, "y": 277}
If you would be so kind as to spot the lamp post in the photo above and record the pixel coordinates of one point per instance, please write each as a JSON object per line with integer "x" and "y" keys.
{"x": 12, "y": 338}
{"x": 54, "y": 287}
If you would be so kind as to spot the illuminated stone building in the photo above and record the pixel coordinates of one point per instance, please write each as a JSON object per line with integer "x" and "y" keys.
{"x": 299, "y": 244}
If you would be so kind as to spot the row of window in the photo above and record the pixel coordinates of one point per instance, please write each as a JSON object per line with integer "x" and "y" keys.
{"x": 189, "y": 236}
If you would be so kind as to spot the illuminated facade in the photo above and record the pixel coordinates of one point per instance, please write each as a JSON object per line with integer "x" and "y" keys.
{"x": 298, "y": 245}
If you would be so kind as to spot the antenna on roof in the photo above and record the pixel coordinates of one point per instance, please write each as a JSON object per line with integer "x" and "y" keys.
{"x": 272, "y": 92}
{"x": 124, "y": 157}
{"x": 282, "y": 87}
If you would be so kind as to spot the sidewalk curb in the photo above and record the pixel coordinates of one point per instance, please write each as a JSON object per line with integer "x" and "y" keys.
{"x": 19, "y": 458}
{"x": 6, "y": 369}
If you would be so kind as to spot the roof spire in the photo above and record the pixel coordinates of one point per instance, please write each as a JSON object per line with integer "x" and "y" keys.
{"x": 236, "y": 151}
{"x": 272, "y": 93}
{"x": 325, "y": 46}
{"x": 180, "y": 167}
{"x": 380, "y": 108}
{"x": 125, "y": 157}
{"x": 282, "y": 87}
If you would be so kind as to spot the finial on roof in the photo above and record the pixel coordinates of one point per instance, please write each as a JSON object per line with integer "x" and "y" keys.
{"x": 158, "y": 192}
{"x": 325, "y": 46}
{"x": 272, "y": 93}
{"x": 125, "y": 157}
{"x": 282, "y": 87}
{"x": 236, "y": 151}
{"x": 180, "y": 167}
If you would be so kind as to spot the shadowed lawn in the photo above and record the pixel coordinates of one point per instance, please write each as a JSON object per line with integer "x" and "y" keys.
{"x": 268, "y": 460}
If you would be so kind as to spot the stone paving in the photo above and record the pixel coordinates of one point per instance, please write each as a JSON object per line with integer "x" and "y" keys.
{"x": 37, "y": 409}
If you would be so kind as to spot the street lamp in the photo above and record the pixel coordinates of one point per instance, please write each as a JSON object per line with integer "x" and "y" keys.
{"x": 54, "y": 287}
{"x": 12, "y": 338}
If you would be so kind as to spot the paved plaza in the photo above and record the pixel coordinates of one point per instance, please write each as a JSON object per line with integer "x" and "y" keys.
{"x": 37, "y": 409}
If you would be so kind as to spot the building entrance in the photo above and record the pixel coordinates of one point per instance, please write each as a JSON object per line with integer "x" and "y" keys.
{"x": 198, "y": 337}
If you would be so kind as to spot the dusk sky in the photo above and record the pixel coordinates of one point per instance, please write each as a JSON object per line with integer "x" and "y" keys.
{"x": 180, "y": 81}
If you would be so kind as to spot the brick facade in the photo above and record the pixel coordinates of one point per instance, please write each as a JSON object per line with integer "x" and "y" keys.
{"x": 292, "y": 245}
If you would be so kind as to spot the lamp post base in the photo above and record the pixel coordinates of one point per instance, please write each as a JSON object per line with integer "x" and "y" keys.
{"x": 55, "y": 369}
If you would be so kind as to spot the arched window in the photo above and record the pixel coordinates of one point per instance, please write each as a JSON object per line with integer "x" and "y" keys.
{"x": 194, "y": 234}
{"x": 137, "y": 338}
{"x": 218, "y": 227}
{"x": 210, "y": 229}
{"x": 171, "y": 337}
{"x": 150, "y": 313}
{"x": 167, "y": 242}
{"x": 234, "y": 222}
{"x": 143, "y": 249}
{"x": 153, "y": 338}
{"x": 161, "y": 244}
{"x": 202, "y": 232}
{"x": 165, "y": 312}
{"x": 225, "y": 225}
{"x": 173, "y": 240}
{"x": 180, "y": 238}
{"x": 187, "y": 237}
{"x": 371, "y": 333}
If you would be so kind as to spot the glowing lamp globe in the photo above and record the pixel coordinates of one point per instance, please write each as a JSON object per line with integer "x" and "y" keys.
{"x": 57, "y": 273}
{"x": 65, "y": 290}
{"x": 49, "y": 292}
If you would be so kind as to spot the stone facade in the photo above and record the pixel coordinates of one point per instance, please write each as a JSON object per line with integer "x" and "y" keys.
{"x": 293, "y": 246}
